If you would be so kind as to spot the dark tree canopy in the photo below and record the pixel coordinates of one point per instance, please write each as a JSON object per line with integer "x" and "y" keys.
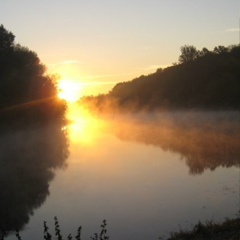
{"x": 24, "y": 85}
{"x": 188, "y": 53}
{"x": 201, "y": 80}
{"x": 6, "y": 38}
{"x": 32, "y": 142}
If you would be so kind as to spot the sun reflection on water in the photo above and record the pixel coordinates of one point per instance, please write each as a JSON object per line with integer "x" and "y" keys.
{"x": 83, "y": 128}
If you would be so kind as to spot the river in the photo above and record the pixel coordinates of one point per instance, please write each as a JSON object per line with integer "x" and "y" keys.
{"x": 146, "y": 174}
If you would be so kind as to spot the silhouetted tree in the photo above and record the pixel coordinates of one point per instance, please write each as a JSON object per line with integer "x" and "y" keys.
{"x": 204, "y": 80}
{"x": 25, "y": 89}
{"x": 204, "y": 52}
{"x": 6, "y": 38}
{"x": 188, "y": 53}
{"x": 220, "y": 50}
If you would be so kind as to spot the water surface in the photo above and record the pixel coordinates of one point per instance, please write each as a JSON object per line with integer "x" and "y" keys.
{"x": 147, "y": 174}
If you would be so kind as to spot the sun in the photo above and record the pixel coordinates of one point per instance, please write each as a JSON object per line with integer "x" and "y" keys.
{"x": 69, "y": 90}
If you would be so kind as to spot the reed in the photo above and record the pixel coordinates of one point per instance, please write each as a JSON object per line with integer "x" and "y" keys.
{"x": 228, "y": 230}
{"x": 102, "y": 235}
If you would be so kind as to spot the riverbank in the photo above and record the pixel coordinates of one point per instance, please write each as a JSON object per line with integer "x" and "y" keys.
{"x": 228, "y": 230}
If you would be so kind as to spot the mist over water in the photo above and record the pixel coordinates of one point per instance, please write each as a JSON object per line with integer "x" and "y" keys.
{"x": 146, "y": 173}
{"x": 204, "y": 140}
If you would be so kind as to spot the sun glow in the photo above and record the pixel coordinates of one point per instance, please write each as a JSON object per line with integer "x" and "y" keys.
{"x": 69, "y": 90}
{"x": 83, "y": 127}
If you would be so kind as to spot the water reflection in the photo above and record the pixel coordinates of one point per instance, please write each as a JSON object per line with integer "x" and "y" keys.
{"x": 28, "y": 159}
{"x": 145, "y": 188}
{"x": 84, "y": 128}
{"x": 204, "y": 140}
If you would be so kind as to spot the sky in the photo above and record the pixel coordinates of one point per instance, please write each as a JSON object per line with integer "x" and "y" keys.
{"x": 97, "y": 43}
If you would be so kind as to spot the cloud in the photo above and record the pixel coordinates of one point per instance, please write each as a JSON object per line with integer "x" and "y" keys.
{"x": 65, "y": 62}
{"x": 79, "y": 81}
{"x": 152, "y": 68}
{"x": 101, "y": 76}
{"x": 98, "y": 83}
{"x": 232, "y": 30}
{"x": 71, "y": 62}
{"x": 137, "y": 72}
{"x": 109, "y": 75}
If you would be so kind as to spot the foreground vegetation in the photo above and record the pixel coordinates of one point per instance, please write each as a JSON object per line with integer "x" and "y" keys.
{"x": 102, "y": 235}
{"x": 202, "y": 79}
{"x": 228, "y": 230}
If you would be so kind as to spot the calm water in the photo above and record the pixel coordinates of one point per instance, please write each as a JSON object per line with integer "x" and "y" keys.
{"x": 147, "y": 174}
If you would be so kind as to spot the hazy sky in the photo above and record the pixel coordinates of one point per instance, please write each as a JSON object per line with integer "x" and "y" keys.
{"x": 105, "y": 41}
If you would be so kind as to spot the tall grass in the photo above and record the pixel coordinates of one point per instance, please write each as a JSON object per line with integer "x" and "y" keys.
{"x": 102, "y": 235}
{"x": 228, "y": 230}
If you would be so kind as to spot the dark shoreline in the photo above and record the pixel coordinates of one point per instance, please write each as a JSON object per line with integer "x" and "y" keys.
{"x": 228, "y": 230}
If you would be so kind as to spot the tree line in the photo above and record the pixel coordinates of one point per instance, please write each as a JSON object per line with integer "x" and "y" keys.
{"x": 27, "y": 93}
{"x": 202, "y": 79}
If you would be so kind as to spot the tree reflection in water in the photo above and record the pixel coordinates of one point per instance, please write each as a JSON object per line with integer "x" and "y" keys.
{"x": 28, "y": 159}
{"x": 203, "y": 140}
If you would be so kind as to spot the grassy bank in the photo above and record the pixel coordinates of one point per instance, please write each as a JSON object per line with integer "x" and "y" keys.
{"x": 228, "y": 230}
